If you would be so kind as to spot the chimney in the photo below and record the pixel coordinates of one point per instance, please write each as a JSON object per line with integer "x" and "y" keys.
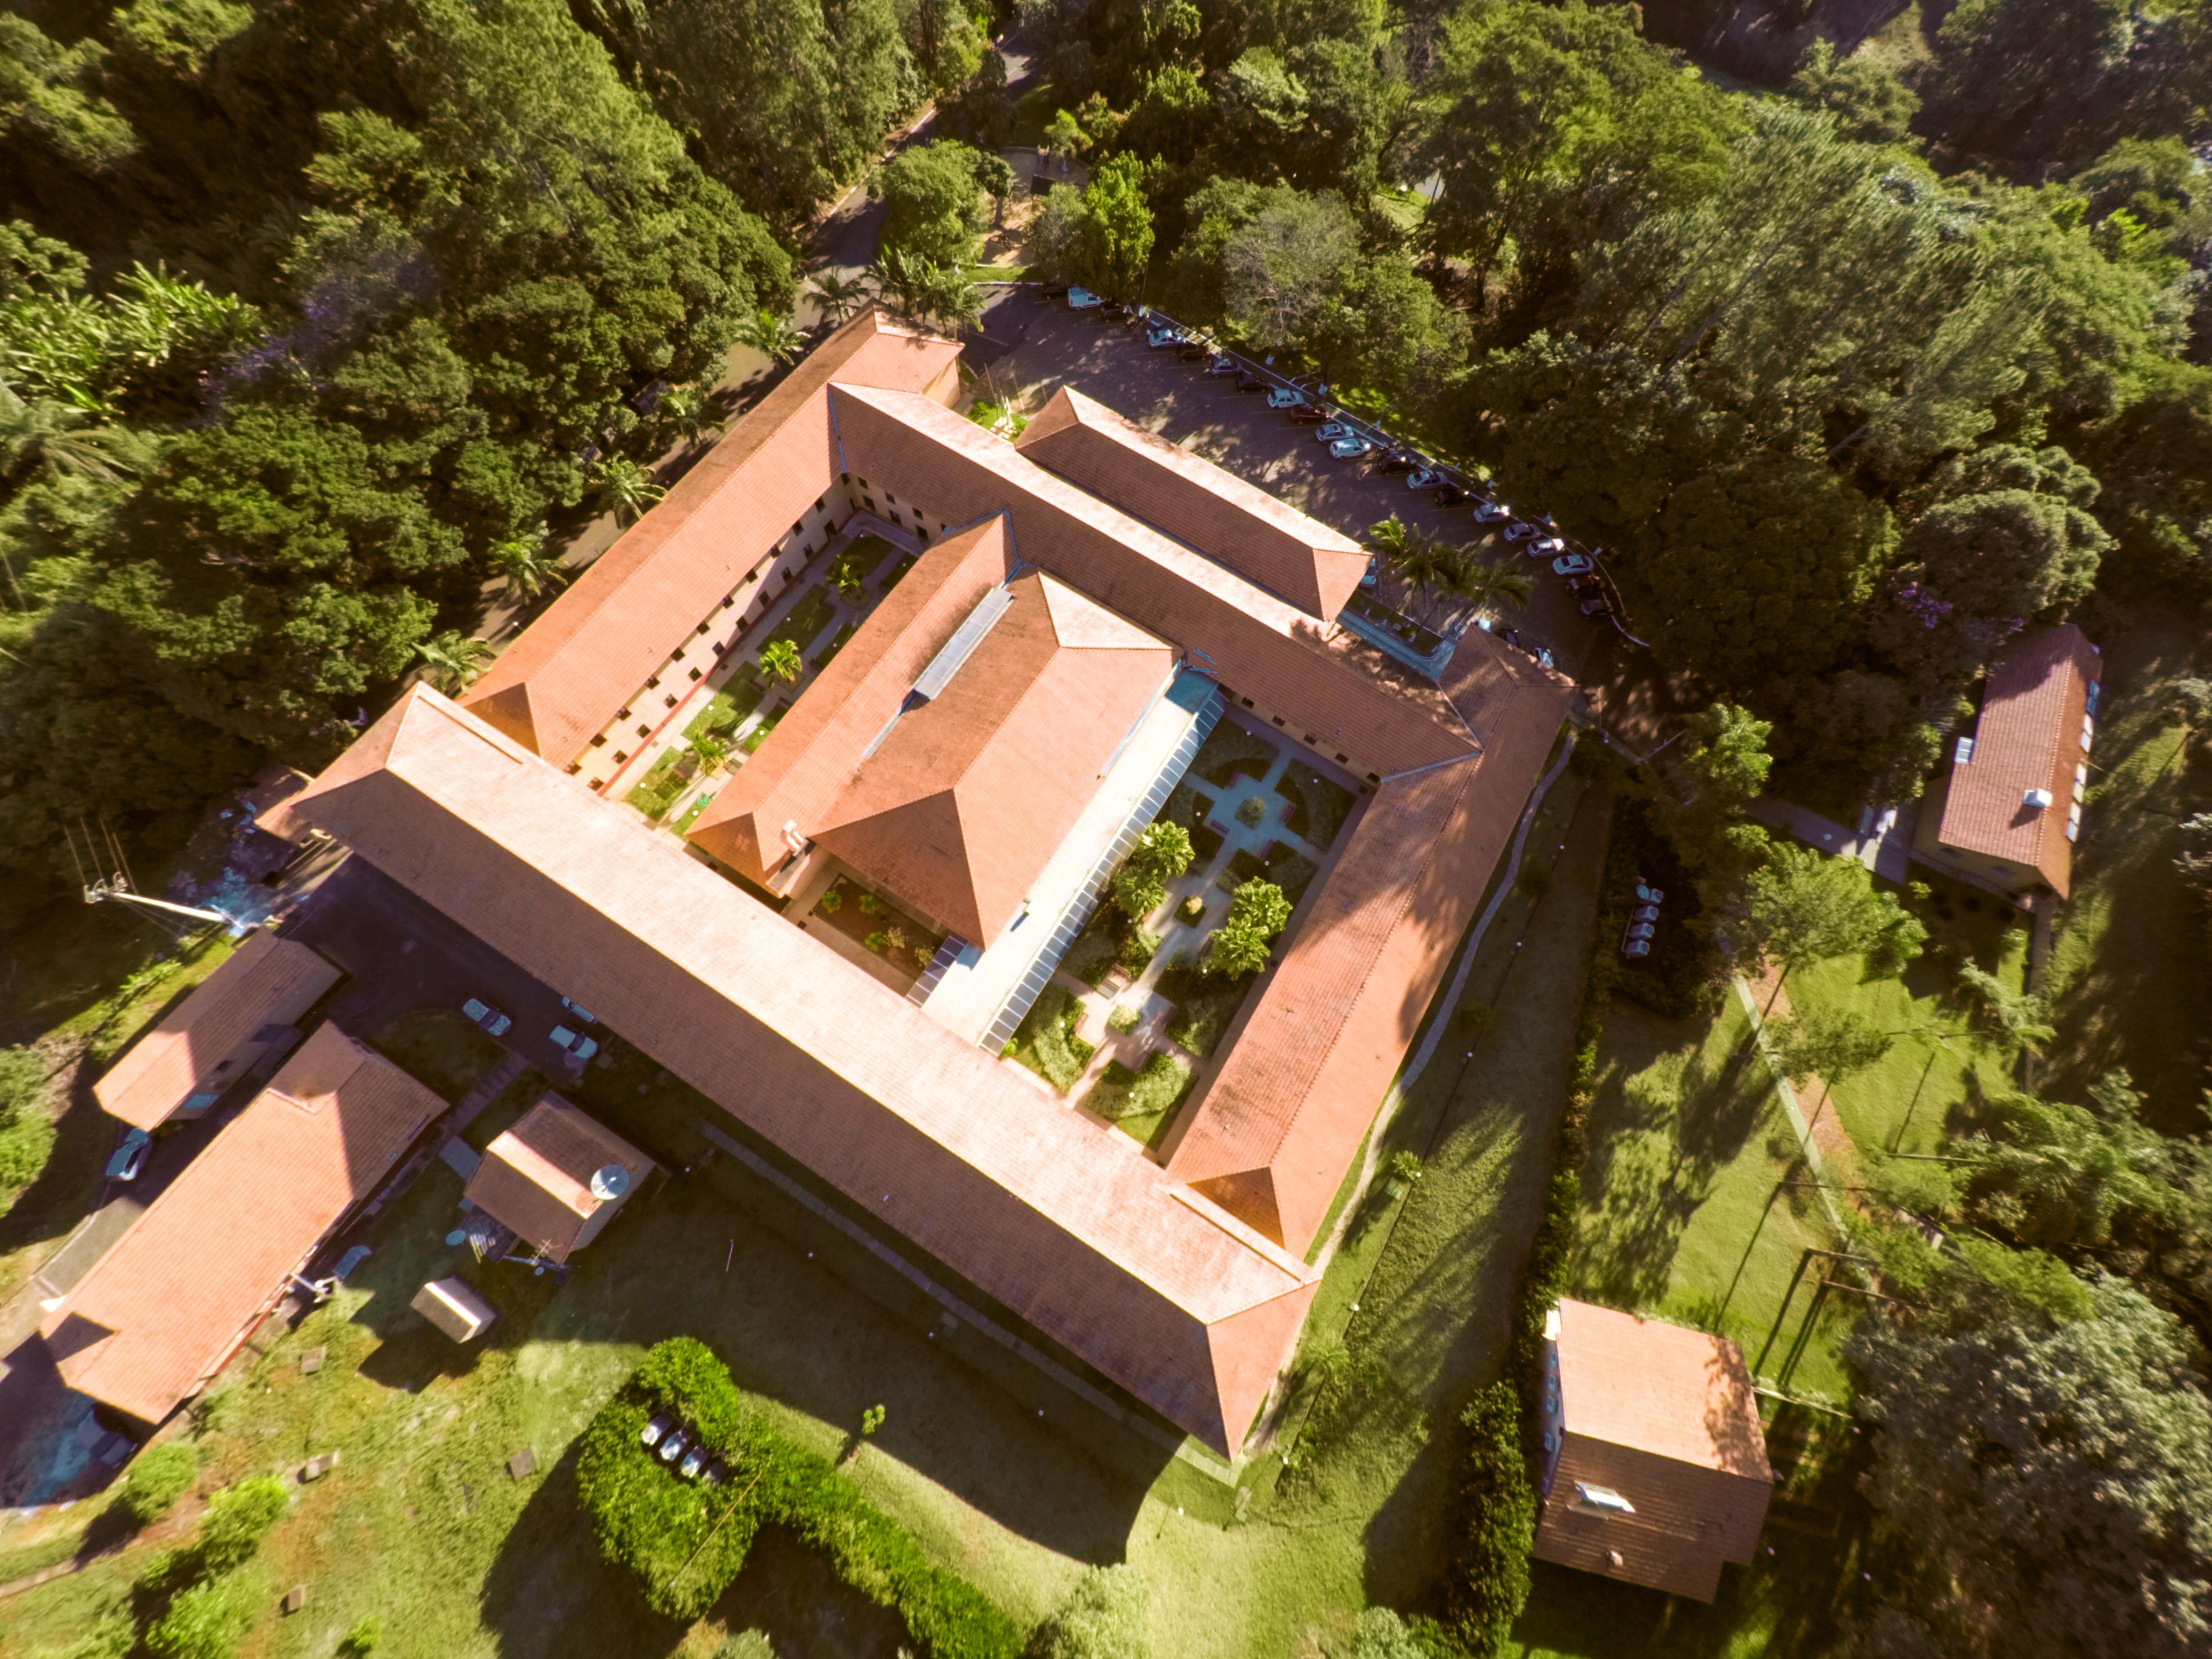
{"x": 2036, "y": 799}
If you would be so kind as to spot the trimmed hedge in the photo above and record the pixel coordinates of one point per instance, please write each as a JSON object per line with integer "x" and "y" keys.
{"x": 1498, "y": 1507}
{"x": 685, "y": 1542}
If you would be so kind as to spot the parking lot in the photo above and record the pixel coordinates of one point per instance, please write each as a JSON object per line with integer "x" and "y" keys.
{"x": 1031, "y": 346}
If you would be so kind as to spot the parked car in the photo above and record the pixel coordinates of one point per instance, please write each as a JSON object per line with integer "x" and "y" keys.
{"x": 1285, "y": 397}
{"x": 1597, "y": 605}
{"x": 1351, "y": 449}
{"x": 1158, "y": 339}
{"x": 130, "y": 1155}
{"x": 693, "y": 1461}
{"x": 671, "y": 1447}
{"x": 1423, "y": 477}
{"x": 1113, "y": 310}
{"x": 1511, "y": 636}
{"x": 1636, "y": 947}
{"x": 1248, "y": 381}
{"x": 1367, "y": 577}
{"x": 1054, "y": 290}
{"x": 578, "y": 1047}
{"x": 651, "y": 1433}
{"x": 1330, "y": 431}
{"x": 1397, "y": 460}
{"x": 486, "y": 1016}
{"x": 1582, "y": 585}
{"x": 1487, "y": 512}
{"x": 1451, "y": 495}
{"x": 1519, "y": 530}
{"x": 1573, "y": 564}
{"x": 1644, "y": 913}
{"x": 1191, "y": 350}
{"x": 1548, "y": 546}
{"x": 582, "y": 1014}
{"x": 1306, "y": 414}
{"x": 1647, "y": 894}
{"x": 716, "y": 1473}
{"x": 1082, "y": 299}
{"x": 1221, "y": 365}
{"x": 1641, "y": 930}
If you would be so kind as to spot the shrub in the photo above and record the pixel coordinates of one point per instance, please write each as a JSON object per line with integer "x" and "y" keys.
{"x": 158, "y": 1476}
{"x": 746, "y": 1644}
{"x": 238, "y": 1518}
{"x": 878, "y": 941}
{"x": 1124, "y": 1018}
{"x": 870, "y": 904}
{"x": 1105, "y": 1617}
{"x": 1497, "y": 1524}
{"x": 831, "y": 902}
{"x": 1261, "y": 906}
{"x": 208, "y": 1621}
{"x": 1236, "y": 949}
{"x": 1138, "y": 950}
{"x": 1046, "y": 1041}
{"x": 1163, "y": 853}
{"x": 1194, "y": 907}
{"x": 1251, "y": 811}
{"x": 365, "y": 1637}
{"x": 113, "y": 1637}
{"x": 1379, "y": 1633}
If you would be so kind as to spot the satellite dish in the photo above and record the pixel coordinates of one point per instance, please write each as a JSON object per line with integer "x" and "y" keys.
{"x": 609, "y": 1182}
{"x": 459, "y": 1235}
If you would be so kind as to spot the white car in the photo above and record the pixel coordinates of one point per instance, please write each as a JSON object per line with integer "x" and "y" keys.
{"x": 1285, "y": 396}
{"x": 1330, "y": 431}
{"x": 578, "y": 1047}
{"x": 581, "y": 1012}
{"x": 1573, "y": 564}
{"x": 486, "y": 1016}
{"x": 694, "y": 1461}
{"x": 1082, "y": 299}
{"x": 1423, "y": 477}
{"x": 651, "y": 1433}
{"x": 130, "y": 1156}
{"x": 1351, "y": 448}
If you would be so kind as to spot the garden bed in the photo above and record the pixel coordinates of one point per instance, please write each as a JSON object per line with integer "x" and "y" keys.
{"x": 1046, "y": 1041}
{"x": 865, "y": 555}
{"x": 1230, "y": 750}
{"x": 1319, "y": 806}
{"x": 877, "y": 925}
{"x": 1141, "y": 1103}
{"x": 1205, "y": 1005}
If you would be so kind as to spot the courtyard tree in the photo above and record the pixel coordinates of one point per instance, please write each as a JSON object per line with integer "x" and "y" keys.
{"x": 933, "y": 202}
{"x": 1257, "y": 912}
{"x": 780, "y": 661}
{"x": 1829, "y": 1043}
{"x": 1162, "y": 854}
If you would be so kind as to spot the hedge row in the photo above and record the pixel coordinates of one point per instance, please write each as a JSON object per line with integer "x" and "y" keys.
{"x": 685, "y": 1542}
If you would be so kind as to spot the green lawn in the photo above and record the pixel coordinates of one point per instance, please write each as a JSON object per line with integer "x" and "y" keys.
{"x": 1229, "y": 750}
{"x": 1141, "y": 1103}
{"x": 660, "y": 788}
{"x": 866, "y": 554}
{"x": 1046, "y": 1043}
{"x": 1319, "y": 806}
{"x": 805, "y": 621}
{"x": 2130, "y": 977}
{"x": 758, "y": 735}
{"x": 737, "y": 697}
{"x": 1205, "y": 1004}
{"x": 1683, "y": 1215}
{"x": 442, "y": 1048}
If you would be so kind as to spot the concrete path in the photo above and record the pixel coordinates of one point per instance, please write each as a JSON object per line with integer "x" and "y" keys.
{"x": 1882, "y": 842}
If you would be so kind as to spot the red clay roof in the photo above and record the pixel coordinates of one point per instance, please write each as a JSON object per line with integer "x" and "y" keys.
{"x": 267, "y": 980}
{"x": 2029, "y": 737}
{"x": 1263, "y": 539}
{"x": 157, "y": 1315}
{"x": 1274, "y": 1131}
{"x": 1313, "y": 673}
{"x": 807, "y": 762}
{"x": 536, "y": 1177}
{"x": 969, "y": 796}
{"x": 1061, "y": 1219}
{"x": 572, "y": 669}
{"x": 1666, "y": 1418}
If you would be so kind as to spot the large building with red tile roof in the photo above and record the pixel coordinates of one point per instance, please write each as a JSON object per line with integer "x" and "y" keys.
{"x": 1065, "y": 599}
{"x": 2006, "y": 814}
{"x": 238, "y": 1015}
{"x": 1655, "y": 1465}
{"x": 170, "y": 1300}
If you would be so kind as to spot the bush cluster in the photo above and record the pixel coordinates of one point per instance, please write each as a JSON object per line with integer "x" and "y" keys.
{"x": 685, "y": 1542}
{"x": 158, "y": 1476}
{"x": 1498, "y": 1523}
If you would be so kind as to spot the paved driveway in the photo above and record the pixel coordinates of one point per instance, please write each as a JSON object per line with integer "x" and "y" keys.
{"x": 1031, "y": 346}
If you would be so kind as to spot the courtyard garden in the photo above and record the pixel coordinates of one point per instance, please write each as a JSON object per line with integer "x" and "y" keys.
{"x": 876, "y": 924}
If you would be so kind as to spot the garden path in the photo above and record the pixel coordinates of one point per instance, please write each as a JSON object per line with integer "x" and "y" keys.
{"x": 1832, "y": 1154}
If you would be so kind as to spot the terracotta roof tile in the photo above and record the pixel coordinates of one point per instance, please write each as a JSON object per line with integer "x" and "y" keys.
{"x": 1666, "y": 1418}
{"x": 1061, "y": 1220}
{"x": 563, "y": 679}
{"x": 2028, "y": 737}
{"x": 1268, "y": 650}
{"x": 157, "y": 1315}
{"x": 536, "y": 1176}
{"x": 193, "y": 1049}
{"x": 1309, "y": 1063}
{"x": 1260, "y": 537}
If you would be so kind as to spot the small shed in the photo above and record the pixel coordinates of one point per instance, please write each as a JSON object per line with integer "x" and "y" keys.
{"x": 557, "y": 1177}
{"x": 1655, "y": 1465}
{"x": 454, "y": 1309}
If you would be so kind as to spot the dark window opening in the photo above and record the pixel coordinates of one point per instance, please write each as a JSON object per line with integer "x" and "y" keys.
{"x": 1278, "y": 719}
{"x": 670, "y": 700}
{"x": 696, "y": 675}
{"x": 575, "y": 766}
{"x": 644, "y": 732}
{"x": 600, "y": 741}
{"x": 1373, "y": 778}
{"x": 655, "y": 680}
{"x": 620, "y": 757}
{"x": 702, "y": 626}
{"x": 1342, "y": 760}
{"x": 718, "y": 648}
{"x": 1246, "y": 702}
{"x": 730, "y": 600}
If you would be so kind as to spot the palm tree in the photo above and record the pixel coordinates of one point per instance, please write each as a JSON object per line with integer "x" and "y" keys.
{"x": 952, "y": 300}
{"x": 903, "y": 279}
{"x": 780, "y": 659}
{"x": 1426, "y": 566}
{"x": 687, "y": 409}
{"x": 627, "y": 487}
{"x": 839, "y": 295}
{"x": 43, "y": 436}
{"x": 526, "y": 568}
{"x": 772, "y": 335}
{"x": 1488, "y": 585}
{"x": 452, "y": 659}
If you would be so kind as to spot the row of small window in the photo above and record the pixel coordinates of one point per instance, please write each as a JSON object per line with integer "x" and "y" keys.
{"x": 1312, "y": 740}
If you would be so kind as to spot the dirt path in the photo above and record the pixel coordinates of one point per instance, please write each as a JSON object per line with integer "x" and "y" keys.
{"x": 1833, "y": 1142}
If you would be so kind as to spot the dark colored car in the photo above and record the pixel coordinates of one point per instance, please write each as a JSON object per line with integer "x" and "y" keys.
{"x": 1054, "y": 290}
{"x": 1307, "y": 414}
{"x": 1251, "y": 382}
{"x": 1191, "y": 350}
{"x": 1223, "y": 365}
{"x": 1397, "y": 460}
{"x": 1599, "y": 606}
{"x": 1451, "y": 495}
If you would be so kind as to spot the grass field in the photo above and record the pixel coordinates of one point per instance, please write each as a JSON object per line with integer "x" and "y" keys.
{"x": 1683, "y": 1214}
